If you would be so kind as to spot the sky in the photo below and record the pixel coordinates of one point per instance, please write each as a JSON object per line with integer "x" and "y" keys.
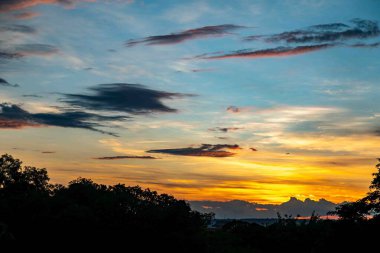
{"x": 206, "y": 100}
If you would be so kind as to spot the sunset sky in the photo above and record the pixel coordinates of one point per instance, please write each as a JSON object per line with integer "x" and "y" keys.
{"x": 206, "y": 100}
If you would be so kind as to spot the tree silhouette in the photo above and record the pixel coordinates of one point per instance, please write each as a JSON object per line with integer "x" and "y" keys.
{"x": 365, "y": 207}
{"x": 35, "y": 213}
{"x": 12, "y": 175}
{"x": 83, "y": 211}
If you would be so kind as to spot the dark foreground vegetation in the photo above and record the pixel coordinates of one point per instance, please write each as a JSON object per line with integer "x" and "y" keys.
{"x": 37, "y": 215}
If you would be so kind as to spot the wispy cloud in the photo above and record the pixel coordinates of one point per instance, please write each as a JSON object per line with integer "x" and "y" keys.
{"x": 224, "y": 129}
{"x": 35, "y": 49}
{"x": 120, "y": 97}
{"x": 267, "y": 53}
{"x": 17, "y": 28}
{"x": 181, "y": 14}
{"x": 3, "y": 82}
{"x": 31, "y": 96}
{"x": 124, "y": 97}
{"x": 15, "y": 43}
{"x": 202, "y": 70}
{"x": 209, "y": 150}
{"x": 196, "y": 33}
{"x": 9, "y": 56}
{"x": 124, "y": 157}
{"x": 317, "y": 37}
{"x": 26, "y": 15}
{"x": 360, "y": 29}
{"x": 364, "y": 45}
{"x": 12, "y": 5}
{"x": 13, "y": 116}
{"x": 22, "y": 50}
{"x": 233, "y": 109}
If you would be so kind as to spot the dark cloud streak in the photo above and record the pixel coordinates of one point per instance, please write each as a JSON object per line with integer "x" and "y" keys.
{"x": 271, "y": 52}
{"x": 124, "y": 157}
{"x": 32, "y": 96}
{"x": 123, "y": 97}
{"x": 35, "y": 49}
{"x": 233, "y": 109}
{"x": 23, "y": 50}
{"x": 209, "y": 150}
{"x": 5, "y": 83}
{"x": 9, "y": 55}
{"x": 360, "y": 29}
{"x": 17, "y": 28}
{"x": 224, "y": 129}
{"x": 174, "y": 38}
{"x": 363, "y": 45}
{"x": 13, "y": 116}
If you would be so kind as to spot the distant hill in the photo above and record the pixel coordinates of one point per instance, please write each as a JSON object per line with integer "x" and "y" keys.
{"x": 239, "y": 209}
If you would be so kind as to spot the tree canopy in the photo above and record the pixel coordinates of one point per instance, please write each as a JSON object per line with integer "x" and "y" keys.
{"x": 86, "y": 211}
{"x": 367, "y": 207}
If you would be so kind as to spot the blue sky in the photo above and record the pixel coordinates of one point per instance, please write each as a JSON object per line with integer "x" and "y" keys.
{"x": 312, "y": 113}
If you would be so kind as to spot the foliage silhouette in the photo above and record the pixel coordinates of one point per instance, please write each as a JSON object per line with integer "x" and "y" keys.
{"x": 85, "y": 215}
{"x": 84, "y": 212}
{"x": 364, "y": 208}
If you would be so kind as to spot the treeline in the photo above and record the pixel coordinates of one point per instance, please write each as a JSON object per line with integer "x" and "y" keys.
{"x": 36, "y": 214}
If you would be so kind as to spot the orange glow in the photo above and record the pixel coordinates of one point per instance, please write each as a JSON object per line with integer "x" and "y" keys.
{"x": 313, "y": 168}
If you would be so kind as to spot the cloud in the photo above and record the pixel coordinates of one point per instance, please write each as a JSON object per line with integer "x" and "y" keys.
{"x": 364, "y": 45}
{"x": 48, "y": 152}
{"x": 271, "y": 52}
{"x": 32, "y": 96}
{"x": 12, "y": 5}
{"x": 224, "y": 129}
{"x": 25, "y": 15}
{"x": 18, "y": 29}
{"x": 3, "y": 82}
{"x": 202, "y": 70}
{"x": 319, "y": 37}
{"x": 359, "y": 29}
{"x": 23, "y": 50}
{"x": 233, "y": 109}
{"x": 180, "y": 13}
{"x": 35, "y": 49}
{"x": 123, "y": 97}
{"x": 174, "y": 38}
{"x": 253, "y": 149}
{"x": 9, "y": 56}
{"x": 10, "y": 50}
{"x": 13, "y": 116}
{"x": 124, "y": 157}
{"x": 210, "y": 150}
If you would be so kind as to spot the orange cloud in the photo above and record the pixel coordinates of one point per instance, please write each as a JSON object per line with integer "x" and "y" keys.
{"x": 271, "y": 52}
{"x": 16, "y": 124}
{"x": 13, "y": 5}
